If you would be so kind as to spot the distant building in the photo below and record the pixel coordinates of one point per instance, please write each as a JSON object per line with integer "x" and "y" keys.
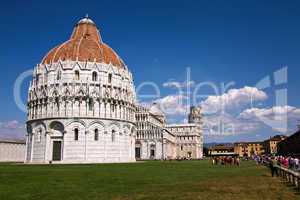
{"x": 12, "y": 151}
{"x": 241, "y": 149}
{"x": 221, "y": 150}
{"x": 270, "y": 145}
{"x": 189, "y": 136}
{"x": 247, "y": 149}
{"x": 290, "y": 146}
{"x": 153, "y": 140}
{"x": 189, "y": 140}
{"x": 157, "y": 140}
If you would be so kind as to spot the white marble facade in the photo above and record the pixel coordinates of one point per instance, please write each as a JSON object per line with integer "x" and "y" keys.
{"x": 80, "y": 141}
{"x": 82, "y": 109}
{"x": 157, "y": 140}
{"x": 153, "y": 140}
{"x": 189, "y": 140}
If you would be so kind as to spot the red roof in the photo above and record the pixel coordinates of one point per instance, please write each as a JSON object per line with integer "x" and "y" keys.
{"x": 85, "y": 44}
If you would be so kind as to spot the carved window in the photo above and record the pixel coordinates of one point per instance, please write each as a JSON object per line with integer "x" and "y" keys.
{"x": 39, "y": 135}
{"x": 112, "y": 108}
{"x": 109, "y": 78}
{"x": 113, "y": 135}
{"x": 94, "y": 76}
{"x": 37, "y": 79}
{"x": 91, "y": 104}
{"x": 58, "y": 76}
{"x": 76, "y": 134}
{"x": 77, "y": 75}
{"x": 57, "y": 103}
{"x": 96, "y": 135}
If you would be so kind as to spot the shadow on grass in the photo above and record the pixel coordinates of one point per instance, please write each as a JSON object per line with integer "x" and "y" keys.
{"x": 290, "y": 186}
{"x": 284, "y": 182}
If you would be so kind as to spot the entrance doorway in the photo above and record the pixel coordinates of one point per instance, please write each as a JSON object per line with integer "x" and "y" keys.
{"x": 152, "y": 151}
{"x": 137, "y": 152}
{"x": 56, "y": 156}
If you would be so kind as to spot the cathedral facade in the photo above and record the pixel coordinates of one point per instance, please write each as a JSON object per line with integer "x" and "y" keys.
{"x": 82, "y": 107}
{"x": 157, "y": 140}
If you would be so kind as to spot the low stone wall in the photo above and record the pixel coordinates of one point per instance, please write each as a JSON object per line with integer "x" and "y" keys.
{"x": 12, "y": 151}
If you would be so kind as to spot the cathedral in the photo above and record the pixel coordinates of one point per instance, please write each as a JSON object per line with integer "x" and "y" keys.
{"x": 157, "y": 140}
{"x": 82, "y": 108}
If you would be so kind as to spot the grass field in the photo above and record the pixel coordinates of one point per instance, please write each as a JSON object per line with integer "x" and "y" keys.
{"x": 147, "y": 180}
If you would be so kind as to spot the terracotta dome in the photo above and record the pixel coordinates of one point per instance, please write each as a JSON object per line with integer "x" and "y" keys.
{"x": 85, "y": 44}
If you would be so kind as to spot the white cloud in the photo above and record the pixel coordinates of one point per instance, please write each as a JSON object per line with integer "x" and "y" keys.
{"x": 10, "y": 124}
{"x": 12, "y": 129}
{"x": 234, "y": 98}
{"x": 230, "y": 113}
{"x": 276, "y": 112}
{"x": 278, "y": 117}
{"x": 223, "y": 124}
{"x": 173, "y": 104}
{"x": 226, "y": 114}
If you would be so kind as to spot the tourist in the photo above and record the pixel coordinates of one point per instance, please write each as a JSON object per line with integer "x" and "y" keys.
{"x": 286, "y": 163}
{"x": 296, "y": 163}
{"x": 273, "y": 166}
{"x": 222, "y": 161}
{"x": 238, "y": 161}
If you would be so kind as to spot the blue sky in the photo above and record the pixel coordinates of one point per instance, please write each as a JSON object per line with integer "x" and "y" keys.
{"x": 220, "y": 41}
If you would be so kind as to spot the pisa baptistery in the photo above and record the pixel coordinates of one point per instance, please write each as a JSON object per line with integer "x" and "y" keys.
{"x": 81, "y": 103}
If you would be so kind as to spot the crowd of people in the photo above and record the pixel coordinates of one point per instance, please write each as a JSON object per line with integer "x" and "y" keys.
{"x": 289, "y": 162}
{"x": 226, "y": 160}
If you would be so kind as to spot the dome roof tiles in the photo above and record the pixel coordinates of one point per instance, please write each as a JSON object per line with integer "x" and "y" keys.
{"x": 85, "y": 44}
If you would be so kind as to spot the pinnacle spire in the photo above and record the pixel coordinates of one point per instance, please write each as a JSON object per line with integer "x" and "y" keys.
{"x": 86, "y": 20}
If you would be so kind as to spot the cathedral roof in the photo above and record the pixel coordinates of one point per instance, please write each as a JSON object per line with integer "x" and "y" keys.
{"x": 85, "y": 44}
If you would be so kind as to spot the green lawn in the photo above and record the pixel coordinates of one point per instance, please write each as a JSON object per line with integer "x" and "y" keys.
{"x": 147, "y": 180}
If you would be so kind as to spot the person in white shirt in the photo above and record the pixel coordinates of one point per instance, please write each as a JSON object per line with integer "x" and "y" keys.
{"x": 296, "y": 161}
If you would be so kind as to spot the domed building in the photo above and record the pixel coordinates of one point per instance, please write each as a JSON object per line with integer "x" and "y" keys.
{"x": 82, "y": 109}
{"x": 81, "y": 103}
